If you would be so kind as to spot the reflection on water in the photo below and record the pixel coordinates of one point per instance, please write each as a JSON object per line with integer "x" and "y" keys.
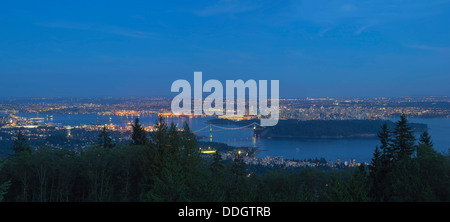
{"x": 331, "y": 149}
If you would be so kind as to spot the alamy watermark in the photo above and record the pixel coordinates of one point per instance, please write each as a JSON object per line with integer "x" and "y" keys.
{"x": 257, "y": 98}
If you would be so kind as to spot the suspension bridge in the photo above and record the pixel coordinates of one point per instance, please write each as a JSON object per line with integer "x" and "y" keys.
{"x": 216, "y": 128}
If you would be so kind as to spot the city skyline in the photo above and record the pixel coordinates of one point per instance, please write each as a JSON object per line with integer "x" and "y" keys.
{"x": 314, "y": 48}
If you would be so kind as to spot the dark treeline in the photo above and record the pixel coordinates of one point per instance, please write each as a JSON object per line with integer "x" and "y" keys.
{"x": 323, "y": 129}
{"x": 165, "y": 165}
{"x": 320, "y": 129}
{"x": 402, "y": 170}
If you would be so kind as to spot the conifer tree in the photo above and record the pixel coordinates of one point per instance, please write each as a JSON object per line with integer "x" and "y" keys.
{"x": 4, "y": 186}
{"x": 217, "y": 166}
{"x": 104, "y": 139}
{"x": 189, "y": 141}
{"x": 238, "y": 168}
{"x": 377, "y": 176}
{"x": 20, "y": 144}
{"x": 425, "y": 139}
{"x": 240, "y": 190}
{"x": 403, "y": 142}
{"x": 138, "y": 135}
{"x": 173, "y": 141}
{"x": 387, "y": 151}
{"x": 159, "y": 136}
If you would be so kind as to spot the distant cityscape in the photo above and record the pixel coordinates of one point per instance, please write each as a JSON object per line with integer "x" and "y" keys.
{"x": 297, "y": 108}
{"x": 39, "y": 127}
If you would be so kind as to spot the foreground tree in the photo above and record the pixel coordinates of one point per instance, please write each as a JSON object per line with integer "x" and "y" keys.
{"x": 177, "y": 175}
{"x": 20, "y": 144}
{"x": 139, "y": 135}
{"x": 403, "y": 143}
{"x": 104, "y": 139}
{"x": 217, "y": 166}
{"x": 381, "y": 165}
{"x": 4, "y": 186}
{"x": 395, "y": 146}
{"x": 434, "y": 169}
{"x": 398, "y": 175}
{"x": 388, "y": 152}
{"x": 425, "y": 139}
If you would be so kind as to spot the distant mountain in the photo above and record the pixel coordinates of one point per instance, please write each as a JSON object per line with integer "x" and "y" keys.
{"x": 321, "y": 129}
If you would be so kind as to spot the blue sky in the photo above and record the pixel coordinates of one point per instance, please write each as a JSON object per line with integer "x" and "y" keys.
{"x": 138, "y": 48}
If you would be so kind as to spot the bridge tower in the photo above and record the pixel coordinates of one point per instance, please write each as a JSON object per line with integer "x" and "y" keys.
{"x": 210, "y": 133}
{"x": 69, "y": 135}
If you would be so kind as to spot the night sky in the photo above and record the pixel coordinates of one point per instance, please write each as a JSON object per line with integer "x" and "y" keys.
{"x": 138, "y": 48}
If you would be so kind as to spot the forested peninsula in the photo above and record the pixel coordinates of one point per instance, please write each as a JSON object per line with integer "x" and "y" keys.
{"x": 319, "y": 129}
